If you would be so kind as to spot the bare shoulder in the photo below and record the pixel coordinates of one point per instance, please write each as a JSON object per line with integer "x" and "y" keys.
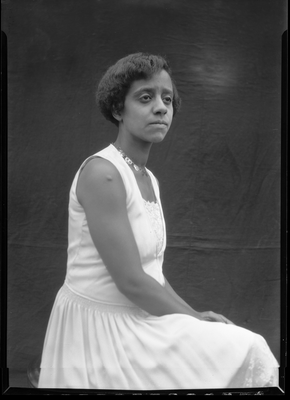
{"x": 98, "y": 168}
{"x": 99, "y": 177}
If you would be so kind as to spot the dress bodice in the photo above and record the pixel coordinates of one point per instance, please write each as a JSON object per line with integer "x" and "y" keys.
{"x": 86, "y": 272}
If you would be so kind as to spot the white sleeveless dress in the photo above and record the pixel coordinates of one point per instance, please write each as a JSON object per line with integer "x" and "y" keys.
{"x": 98, "y": 339}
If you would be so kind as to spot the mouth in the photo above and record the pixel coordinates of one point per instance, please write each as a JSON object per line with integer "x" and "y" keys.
{"x": 162, "y": 123}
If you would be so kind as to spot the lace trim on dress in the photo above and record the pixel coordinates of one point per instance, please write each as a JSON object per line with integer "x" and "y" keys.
{"x": 263, "y": 368}
{"x": 154, "y": 214}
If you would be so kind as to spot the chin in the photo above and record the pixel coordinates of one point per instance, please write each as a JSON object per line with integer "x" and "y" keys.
{"x": 157, "y": 138}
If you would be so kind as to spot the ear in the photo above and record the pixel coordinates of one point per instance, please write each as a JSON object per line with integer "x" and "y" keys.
{"x": 116, "y": 114}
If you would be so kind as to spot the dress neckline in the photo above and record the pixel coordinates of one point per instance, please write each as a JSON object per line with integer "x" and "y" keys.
{"x": 149, "y": 175}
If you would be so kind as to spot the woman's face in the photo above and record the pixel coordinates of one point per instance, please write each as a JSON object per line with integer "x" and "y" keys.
{"x": 148, "y": 109}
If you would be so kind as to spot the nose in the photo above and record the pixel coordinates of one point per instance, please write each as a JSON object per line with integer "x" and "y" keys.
{"x": 159, "y": 106}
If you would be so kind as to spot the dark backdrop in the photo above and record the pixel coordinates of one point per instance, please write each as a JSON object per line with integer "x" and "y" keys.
{"x": 219, "y": 166}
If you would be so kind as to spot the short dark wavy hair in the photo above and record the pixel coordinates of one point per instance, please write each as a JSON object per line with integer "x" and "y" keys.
{"x": 116, "y": 82}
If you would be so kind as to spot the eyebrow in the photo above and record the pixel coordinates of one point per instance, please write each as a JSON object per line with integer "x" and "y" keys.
{"x": 152, "y": 89}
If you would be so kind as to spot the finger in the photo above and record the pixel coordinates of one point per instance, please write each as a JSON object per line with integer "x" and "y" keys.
{"x": 227, "y": 321}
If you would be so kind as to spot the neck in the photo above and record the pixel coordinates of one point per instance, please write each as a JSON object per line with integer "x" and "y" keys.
{"x": 137, "y": 151}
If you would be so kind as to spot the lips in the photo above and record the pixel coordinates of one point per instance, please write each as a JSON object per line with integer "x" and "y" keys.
{"x": 159, "y": 122}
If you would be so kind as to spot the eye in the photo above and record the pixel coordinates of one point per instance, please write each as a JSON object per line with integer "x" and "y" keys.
{"x": 167, "y": 99}
{"x": 145, "y": 98}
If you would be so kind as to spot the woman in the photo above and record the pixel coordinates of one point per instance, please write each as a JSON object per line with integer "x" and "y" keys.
{"x": 116, "y": 322}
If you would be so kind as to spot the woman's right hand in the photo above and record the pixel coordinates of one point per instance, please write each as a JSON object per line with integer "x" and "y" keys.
{"x": 214, "y": 317}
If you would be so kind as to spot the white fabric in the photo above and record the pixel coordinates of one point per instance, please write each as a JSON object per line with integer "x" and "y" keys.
{"x": 155, "y": 217}
{"x": 96, "y": 338}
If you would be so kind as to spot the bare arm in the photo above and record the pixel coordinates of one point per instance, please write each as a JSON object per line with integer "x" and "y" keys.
{"x": 102, "y": 194}
{"x": 169, "y": 288}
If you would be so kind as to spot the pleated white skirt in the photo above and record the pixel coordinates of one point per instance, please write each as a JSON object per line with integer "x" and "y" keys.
{"x": 94, "y": 345}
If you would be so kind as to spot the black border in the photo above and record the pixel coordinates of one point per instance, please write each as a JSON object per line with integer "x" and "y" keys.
{"x": 3, "y": 213}
{"x": 284, "y": 209}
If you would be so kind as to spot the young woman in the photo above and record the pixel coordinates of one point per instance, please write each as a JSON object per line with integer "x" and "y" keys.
{"x": 116, "y": 322}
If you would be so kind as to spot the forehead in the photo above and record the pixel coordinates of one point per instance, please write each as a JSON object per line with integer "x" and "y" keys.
{"x": 159, "y": 81}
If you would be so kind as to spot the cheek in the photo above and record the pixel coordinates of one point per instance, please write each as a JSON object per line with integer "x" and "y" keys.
{"x": 170, "y": 112}
{"x": 135, "y": 113}
{"x": 139, "y": 117}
